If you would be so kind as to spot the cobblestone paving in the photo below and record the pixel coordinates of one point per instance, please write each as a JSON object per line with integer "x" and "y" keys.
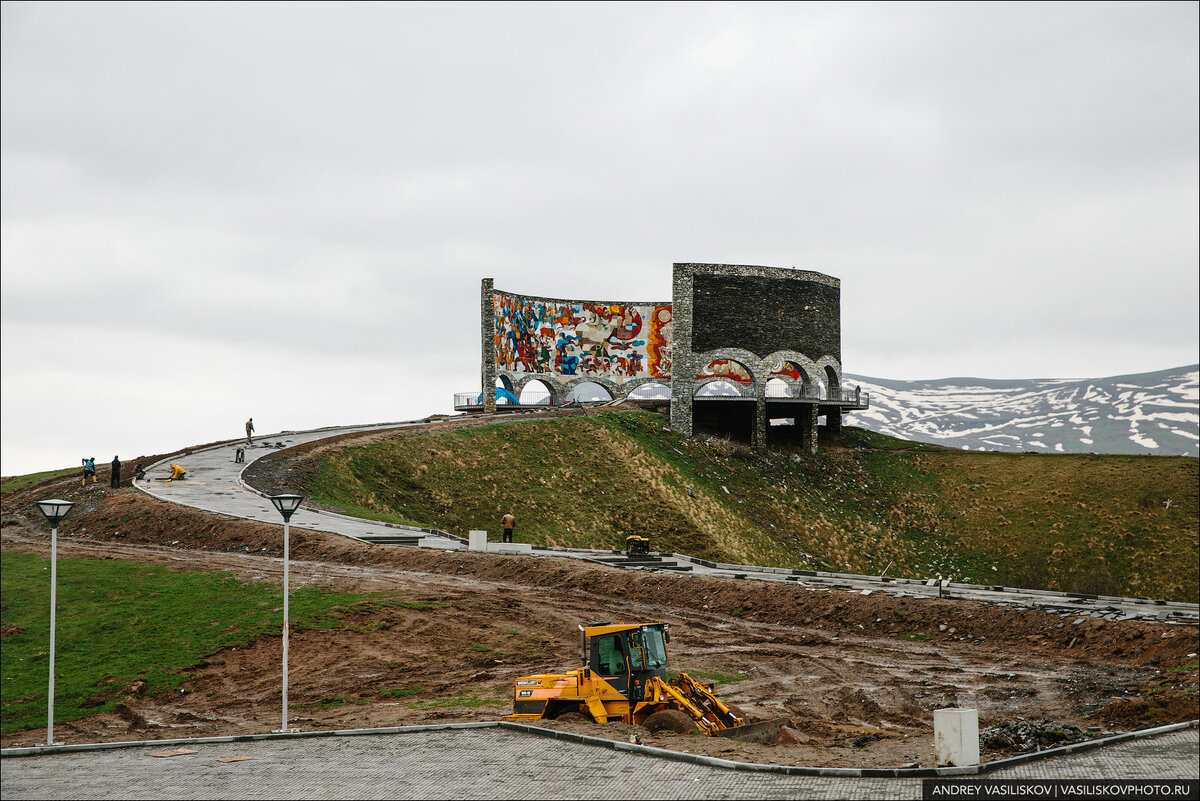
{"x": 497, "y": 764}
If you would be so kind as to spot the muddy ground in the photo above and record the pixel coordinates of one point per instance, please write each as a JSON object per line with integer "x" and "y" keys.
{"x": 840, "y": 665}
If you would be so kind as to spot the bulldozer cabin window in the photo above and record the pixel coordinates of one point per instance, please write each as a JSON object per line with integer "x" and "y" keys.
{"x": 656, "y": 648}
{"x": 612, "y": 659}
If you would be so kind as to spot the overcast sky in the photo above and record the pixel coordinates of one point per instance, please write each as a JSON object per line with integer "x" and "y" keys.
{"x": 214, "y": 211}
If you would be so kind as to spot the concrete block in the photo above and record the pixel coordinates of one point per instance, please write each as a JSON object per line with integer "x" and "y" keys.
{"x": 956, "y": 736}
{"x": 510, "y": 548}
{"x": 477, "y": 541}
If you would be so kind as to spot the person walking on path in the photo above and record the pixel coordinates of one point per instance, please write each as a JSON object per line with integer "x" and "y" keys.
{"x": 89, "y": 469}
{"x": 507, "y": 523}
{"x": 249, "y": 429}
{"x": 116, "y": 473}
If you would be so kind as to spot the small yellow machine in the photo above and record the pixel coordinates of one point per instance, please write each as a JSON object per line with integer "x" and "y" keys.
{"x": 623, "y": 679}
{"x": 635, "y": 544}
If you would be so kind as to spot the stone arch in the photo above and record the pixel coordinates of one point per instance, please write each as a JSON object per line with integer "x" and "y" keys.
{"x": 809, "y": 370}
{"x": 742, "y": 392}
{"x": 781, "y": 388}
{"x": 578, "y": 386}
{"x": 566, "y": 387}
{"x": 831, "y": 377}
{"x": 747, "y": 360}
{"x": 648, "y": 389}
{"x": 503, "y": 380}
{"x": 554, "y": 396}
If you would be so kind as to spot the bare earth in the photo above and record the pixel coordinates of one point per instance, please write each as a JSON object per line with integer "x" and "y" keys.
{"x": 840, "y": 665}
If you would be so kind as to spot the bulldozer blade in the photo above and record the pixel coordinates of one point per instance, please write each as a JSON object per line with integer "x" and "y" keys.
{"x": 762, "y": 732}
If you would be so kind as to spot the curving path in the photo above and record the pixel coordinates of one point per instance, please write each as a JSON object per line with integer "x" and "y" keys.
{"x": 214, "y": 484}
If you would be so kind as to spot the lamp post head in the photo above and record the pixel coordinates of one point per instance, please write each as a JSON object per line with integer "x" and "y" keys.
{"x": 287, "y": 504}
{"x": 55, "y": 510}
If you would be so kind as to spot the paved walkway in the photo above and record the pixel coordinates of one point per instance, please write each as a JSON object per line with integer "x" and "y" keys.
{"x": 492, "y": 763}
{"x": 214, "y": 484}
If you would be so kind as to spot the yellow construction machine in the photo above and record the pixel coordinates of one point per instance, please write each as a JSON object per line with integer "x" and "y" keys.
{"x": 624, "y": 679}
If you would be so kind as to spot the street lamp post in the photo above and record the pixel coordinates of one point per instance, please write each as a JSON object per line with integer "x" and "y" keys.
{"x": 287, "y": 504}
{"x": 54, "y": 510}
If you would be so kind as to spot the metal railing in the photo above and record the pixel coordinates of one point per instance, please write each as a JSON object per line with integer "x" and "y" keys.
{"x": 472, "y": 400}
{"x": 651, "y": 392}
{"x": 715, "y": 389}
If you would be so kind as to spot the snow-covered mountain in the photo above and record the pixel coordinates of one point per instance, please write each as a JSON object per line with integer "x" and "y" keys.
{"x": 1147, "y": 413}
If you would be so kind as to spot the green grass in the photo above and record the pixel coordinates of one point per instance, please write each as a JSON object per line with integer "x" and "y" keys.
{"x": 15, "y": 483}
{"x": 119, "y": 622}
{"x": 1077, "y": 523}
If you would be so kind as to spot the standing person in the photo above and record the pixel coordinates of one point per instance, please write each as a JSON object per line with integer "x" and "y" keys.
{"x": 89, "y": 469}
{"x": 116, "y": 473}
{"x": 249, "y": 429}
{"x": 507, "y": 523}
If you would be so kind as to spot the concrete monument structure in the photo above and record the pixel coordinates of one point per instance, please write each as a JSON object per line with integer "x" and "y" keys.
{"x": 754, "y": 351}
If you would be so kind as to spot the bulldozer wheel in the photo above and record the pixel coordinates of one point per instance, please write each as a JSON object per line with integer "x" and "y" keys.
{"x": 670, "y": 720}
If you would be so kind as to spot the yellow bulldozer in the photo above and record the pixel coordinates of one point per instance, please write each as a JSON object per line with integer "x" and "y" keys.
{"x": 624, "y": 680}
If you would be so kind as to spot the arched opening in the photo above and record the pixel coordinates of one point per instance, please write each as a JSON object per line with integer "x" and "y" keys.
{"x": 778, "y": 388}
{"x": 727, "y": 369}
{"x": 723, "y": 400}
{"x": 505, "y": 382}
{"x": 588, "y": 392}
{"x": 833, "y": 389}
{"x": 535, "y": 393}
{"x": 719, "y": 389}
{"x": 651, "y": 391}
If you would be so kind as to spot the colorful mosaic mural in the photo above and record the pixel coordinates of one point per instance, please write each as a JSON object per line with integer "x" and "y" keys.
{"x": 735, "y": 371}
{"x": 586, "y": 339}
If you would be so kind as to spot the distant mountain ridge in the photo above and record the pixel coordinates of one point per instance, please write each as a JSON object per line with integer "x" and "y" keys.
{"x": 1146, "y": 413}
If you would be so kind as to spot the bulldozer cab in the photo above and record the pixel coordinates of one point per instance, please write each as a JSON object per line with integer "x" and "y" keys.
{"x": 626, "y": 656}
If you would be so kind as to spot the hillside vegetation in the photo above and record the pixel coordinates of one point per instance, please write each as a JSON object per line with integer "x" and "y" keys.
{"x": 1124, "y": 525}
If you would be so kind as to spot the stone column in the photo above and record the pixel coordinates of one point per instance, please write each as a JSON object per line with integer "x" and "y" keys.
{"x": 683, "y": 368}
{"x": 833, "y": 421}
{"x": 808, "y": 428}
{"x": 758, "y": 436}
{"x": 487, "y": 338}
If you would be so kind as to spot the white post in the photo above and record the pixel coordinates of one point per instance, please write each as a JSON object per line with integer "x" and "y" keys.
{"x": 956, "y": 736}
{"x": 286, "y": 543}
{"x": 53, "y": 607}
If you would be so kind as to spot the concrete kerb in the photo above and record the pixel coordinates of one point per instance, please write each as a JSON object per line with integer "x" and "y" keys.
{"x": 617, "y": 745}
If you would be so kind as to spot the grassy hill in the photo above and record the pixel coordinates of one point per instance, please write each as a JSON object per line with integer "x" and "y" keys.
{"x": 1124, "y": 525}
